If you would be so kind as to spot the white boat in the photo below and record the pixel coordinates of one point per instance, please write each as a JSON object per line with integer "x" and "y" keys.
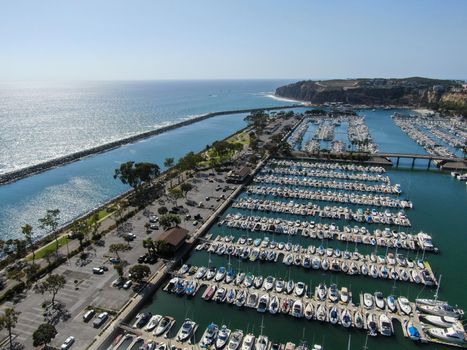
{"x": 372, "y": 325}
{"x": 268, "y": 283}
{"x": 322, "y": 291}
{"x": 274, "y": 305}
{"x": 290, "y": 286}
{"x": 379, "y": 300}
{"x": 333, "y": 293}
{"x": 300, "y": 289}
{"x": 209, "y": 335}
{"x": 297, "y": 308}
{"x": 358, "y": 320}
{"x": 451, "y": 334}
{"x": 385, "y": 325}
{"x": 164, "y": 325}
{"x": 440, "y": 321}
{"x": 262, "y": 343}
{"x": 263, "y": 303}
{"x": 186, "y": 330}
{"x": 235, "y": 340}
{"x": 345, "y": 295}
{"x": 231, "y": 296}
{"x": 222, "y": 337}
{"x": 241, "y": 298}
{"x": 252, "y": 300}
{"x": 220, "y": 274}
{"x": 404, "y": 305}
{"x": 153, "y": 323}
{"x": 248, "y": 342}
{"x": 321, "y": 313}
{"x": 392, "y": 303}
{"x": 412, "y": 331}
{"x": 368, "y": 300}
{"x": 334, "y": 315}
{"x": 279, "y": 286}
{"x": 441, "y": 310}
{"x": 346, "y": 318}
{"x": 309, "y": 311}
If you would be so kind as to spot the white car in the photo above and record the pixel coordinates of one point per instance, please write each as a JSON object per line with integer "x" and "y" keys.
{"x": 127, "y": 284}
{"x": 68, "y": 343}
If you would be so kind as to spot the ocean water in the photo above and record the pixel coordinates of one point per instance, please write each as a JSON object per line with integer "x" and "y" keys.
{"x": 43, "y": 121}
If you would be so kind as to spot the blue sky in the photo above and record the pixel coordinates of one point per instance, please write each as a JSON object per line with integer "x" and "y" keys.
{"x": 218, "y": 39}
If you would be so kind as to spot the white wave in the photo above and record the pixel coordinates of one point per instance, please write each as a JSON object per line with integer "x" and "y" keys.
{"x": 283, "y": 99}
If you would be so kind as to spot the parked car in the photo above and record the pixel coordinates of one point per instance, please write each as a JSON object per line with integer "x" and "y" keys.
{"x": 142, "y": 259}
{"x": 115, "y": 261}
{"x": 130, "y": 236}
{"x": 195, "y": 223}
{"x": 127, "y": 284}
{"x": 118, "y": 283}
{"x": 100, "y": 319}
{"x": 89, "y": 315}
{"x": 98, "y": 271}
{"x": 153, "y": 219}
{"x": 68, "y": 343}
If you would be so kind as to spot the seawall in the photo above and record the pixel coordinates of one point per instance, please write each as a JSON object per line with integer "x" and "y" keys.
{"x": 38, "y": 168}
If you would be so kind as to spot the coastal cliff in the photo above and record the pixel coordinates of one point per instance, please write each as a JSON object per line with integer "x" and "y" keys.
{"x": 419, "y": 92}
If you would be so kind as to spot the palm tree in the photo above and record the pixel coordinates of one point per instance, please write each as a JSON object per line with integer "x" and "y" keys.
{"x": 27, "y": 232}
{"x": 50, "y": 222}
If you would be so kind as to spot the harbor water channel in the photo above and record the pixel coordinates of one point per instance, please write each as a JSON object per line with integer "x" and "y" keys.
{"x": 439, "y": 209}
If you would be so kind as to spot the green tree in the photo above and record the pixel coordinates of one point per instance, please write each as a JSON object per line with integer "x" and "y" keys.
{"x": 81, "y": 229}
{"x": 43, "y": 335}
{"x": 169, "y": 162}
{"x": 189, "y": 161}
{"x": 162, "y": 210}
{"x": 163, "y": 249}
{"x": 27, "y": 232}
{"x": 119, "y": 269}
{"x": 169, "y": 220}
{"x": 50, "y": 223}
{"x": 150, "y": 245}
{"x": 8, "y": 321}
{"x": 186, "y": 187}
{"x": 136, "y": 174}
{"x": 52, "y": 285}
{"x": 176, "y": 193}
{"x": 115, "y": 248}
{"x": 139, "y": 272}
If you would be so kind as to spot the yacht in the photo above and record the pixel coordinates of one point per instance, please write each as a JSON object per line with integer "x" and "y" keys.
{"x": 235, "y": 340}
{"x": 279, "y": 286}
{"x": 321, "y": 313}
{"x": 346, "y": 318}
{"x": 263, "y": 303}
{"x": 359, "y": 321}
{"x": 322, "y": 291}
{"x": 333, "y": 293}
{"x": 440, "y": 321}
{"x": 248, "y": 342}
{"x": 163, "y": 326}
{"x": 220, "y": 274}
{"x": 371, "y": 324}
{"x": 153, "y": 323}
{"x": 222, "y": 337}
{"x": 412, "y": 331}
{"x": 309, "y": 311}
{"x": 404, "y": 305}
{"x": 231, "y": 296}
{"x": 334, "y": 315}
{"x": 262, "y": 343}
{"x": 252, "y": 300}
{"x": 300, "y": 289}
{"x": 441, "y": 310}
{"x": 368, "y": 300}
{"x": 379, "y": 300}
{"x": 268, "y": 283}
{"x": 186, "y": 330}
{"x": 385, "y": 325}
{"x": 451, "y": 334}
{"x": 392, "y": 303}
{"x": 290, "y": 287}
{"x": 297, "y": 308}
{"x": 345, "y": 295}
{"x": 274, "y": 305}
{"x": 241, "y": 298}
{"x": 209, "y": 335}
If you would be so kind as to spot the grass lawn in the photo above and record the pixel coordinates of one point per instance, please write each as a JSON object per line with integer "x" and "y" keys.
{"x": 49, "y": 248}
{"x": 242, "y": 138}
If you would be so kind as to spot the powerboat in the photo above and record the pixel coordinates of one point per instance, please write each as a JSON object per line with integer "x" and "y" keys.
{"x": 440, "y": 321}
{"x": 333, "y": 293}
{"x": 274, "y": 305}
{"x": 241, "y": 298}
{"x": 222, "y": 337}
{"x": 297, "y": 308}
{"x": 309, "y": 311}
{"x": 300, "y": 289}
{"x": 231, "y": 296}
{"x": 252, "y": 300}
{"x": 163, "y": 326}
{"x": 321, "y": 313}
{"x": 321, "y": 291}
{"x": 235, "y": 340}
{"x": 451, "y": 334}
{"x": 209, "y": 335}
{"x": 392, "y": 303}
{"x": 379, "y": 300}
{"x": 404, "y": 305}
{"x": 346, "y": 318}
{"x": 153, "y": 323}
{"x": 372, "y": 325}
{"x": 385, "y": 325}
{"x": 358, "y": 320}
{"x": 262, "y": 343}
{"x": 290, "y": 287}
{"x": 186, "y": 330}
{"x": 248, "y": 342}
{"x": 368, "y": 300}
{"x": 441, "y": 310}
{"x": 263, "y": 303}
{"x": 334, "y": 315}
{"x": 268, "y": 283}
{"x": 412, "y": 331}
{"x": 345, "y": 295}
